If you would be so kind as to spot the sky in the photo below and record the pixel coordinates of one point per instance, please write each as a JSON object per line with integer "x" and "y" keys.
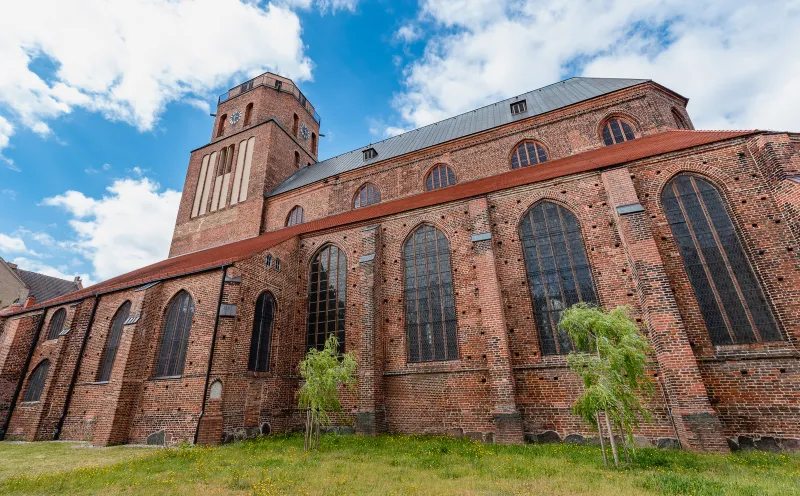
{"x": 102, "y": 100}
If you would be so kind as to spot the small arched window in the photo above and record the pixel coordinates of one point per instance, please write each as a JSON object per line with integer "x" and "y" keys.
{"x": 327, "y": 288}
{"x": 440, "y": 176}
{"x": 314, "y": 143}
{"x": 262, "y": 333}
{"x": 617, "y": 130}
{"x": 248, "y": 114}
{"x": 730, "y": 297}
{"x": 56, "y": 324}
{"x": 557, "y": 268}
{"x": 367, "y": 195}
{"x": 679, "y": 119}
{"x": 296, "y": 160}
{"x": 112, "y": 342}
{"x": 221, "y": 125}
{"x": 528, "y": 153}
{"x": 430, "y": 307}
{"x": 295, "y": 125}
{"x": 296, "y": 216}
{"x": 36, "y": 382}
{"x": 175, "y": 335}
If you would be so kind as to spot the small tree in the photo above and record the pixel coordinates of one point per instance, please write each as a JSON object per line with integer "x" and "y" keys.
{"x": 323, "y": 372}
{"x": 611, "y": 359}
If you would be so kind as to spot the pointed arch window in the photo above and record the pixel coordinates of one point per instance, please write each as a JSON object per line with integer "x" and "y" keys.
{"x": 248, "y": 114}
{"x": 175, "y": 336}
{"x": 440, "y": 176}
{"x": 327, "y": 285}
{"x": 367, "y": 195}
{"x": 36, "y": 382}
{"x": 56, "y": 324}
{"x": 221, "y": 125}
{"x": 296, "y": 216}
{"x": 112, "y": 342}
{"x": 261, "y": 339}
{"x": 679, "y": 119}
{"x": 557, "y": 268}
{"x": 296, "y": 160}
{"x": 295, "y": 125}
{"x": 617, "y": 130}
{"x": 430, "y": 306}
{"x": 528, "y": 153}
{"x": 730, "y": 296}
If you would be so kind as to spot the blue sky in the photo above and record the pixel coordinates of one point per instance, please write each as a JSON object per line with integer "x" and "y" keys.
{"x": 97, "y": 119}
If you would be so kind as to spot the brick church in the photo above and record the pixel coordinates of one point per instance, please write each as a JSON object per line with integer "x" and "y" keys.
{"x": 442, "y": 258}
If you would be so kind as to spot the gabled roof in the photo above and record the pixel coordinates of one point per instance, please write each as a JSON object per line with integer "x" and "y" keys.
{"x": 43, "y": 287}
{"x": 540, "y": 101}
{"x": 609, "y": 156}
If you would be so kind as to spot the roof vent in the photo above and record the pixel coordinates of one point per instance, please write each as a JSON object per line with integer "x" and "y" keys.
{"x": 519, "y": 107}
{"x": 370, "y": 153}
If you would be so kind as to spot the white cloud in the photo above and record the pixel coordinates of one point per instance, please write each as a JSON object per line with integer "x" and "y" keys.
{"x": 9, "y": 244}
{"x": 408, "y": 33}
{"x": 9, "y": 193}
{"x": 61, "y": 272}
{"x": 323, "y": 5}
{"x": 128, "y": 60}
{"x": 731, "y": 58}
{"x": 6, "y": 131}
{"x": 129, "y": 228}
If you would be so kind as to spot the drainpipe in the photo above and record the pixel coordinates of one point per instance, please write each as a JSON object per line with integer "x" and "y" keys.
{"x": 211, "y": 353}
{"x": 71, "y": 389}
{"x": 24, "y": 374}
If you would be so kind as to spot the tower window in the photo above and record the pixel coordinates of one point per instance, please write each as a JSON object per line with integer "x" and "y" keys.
{"x": 296, "y": 160}
{"x": 440, "y": 176}
{"x": 617, "y": 130}
{"x": 327, "y": 286}
{"x": 295, "y": 125}
{"x": 221, "y": 125}
{"x": 296, "y": 216}
{"x": 370, "y": 153}
{"x": 248, "y": 114}
{"x": 278, "y": 84}
{"x": 367, "y": 195}
{"x": 519, "y": 107}
{"x": 528, "y": 153}
{"x": 57, "y": 324}
{"x": 314, "y": 143}
{"x": 36, "y": 382}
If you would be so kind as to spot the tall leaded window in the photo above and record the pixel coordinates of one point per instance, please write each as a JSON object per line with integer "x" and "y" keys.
{"x": 729, "y": 295}
{"x": 175, "y": 336}
{"x": 558, "y": 270}
{"x": 327, "y": 286}
{"x": 367, "y": 195}
{"x": 112, "y": 342}
{"x": 617, "y": 130}
{"x": 528, "y": 153}
{"x": 36, "y": 382}
{"x": 56, "y": 324}
{"x": 296, "y": 216}
{"x": 261, "y": 339}
{"x": 440, "y": 176}
{"x": 430, "y": 307}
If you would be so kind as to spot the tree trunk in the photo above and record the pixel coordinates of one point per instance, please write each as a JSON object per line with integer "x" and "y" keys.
{"x": 602, "y": 444}
{"x": 624, "y": 444}
{"x": 308, "y": 426}
{"x": 316, "y": 443}
{"x": 611, "y": 440}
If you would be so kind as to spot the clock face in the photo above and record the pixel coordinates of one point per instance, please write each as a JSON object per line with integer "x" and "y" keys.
{"x": 304, "y": 131}
{"x": 236, "y": 116}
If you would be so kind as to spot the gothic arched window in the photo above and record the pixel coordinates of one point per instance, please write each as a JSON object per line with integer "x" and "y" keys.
{"x": 729, "y": 295}
{"x": 296, "y": 216}
{"x": 440, "y": 176}
{"x": 36, "y": 382}
{"x": 617, "y": 130}
{"x": 679, "y": 120}
{"x": 558, "y": 270}
{"x": 112, "y": 342}
{"x": 367, "y": 195}
{"x": 528, "y": 153}
{"x": 430, "y": 307}
{"x": 327, "y": 287}
{"x": 261, "y": 339}
{"x": 56, "y": 324}
{"x": 175, "y": 335}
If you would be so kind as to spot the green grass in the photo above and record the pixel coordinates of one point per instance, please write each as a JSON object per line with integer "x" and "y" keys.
{"x": 385, "y": 465}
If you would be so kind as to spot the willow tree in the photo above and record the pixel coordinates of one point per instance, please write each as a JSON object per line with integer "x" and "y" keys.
{"x": 323, "y": 372}
{"x": 610, "y": 356}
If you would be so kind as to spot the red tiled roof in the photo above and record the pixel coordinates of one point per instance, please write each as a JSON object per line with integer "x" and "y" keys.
{"x": 657, "y": 144}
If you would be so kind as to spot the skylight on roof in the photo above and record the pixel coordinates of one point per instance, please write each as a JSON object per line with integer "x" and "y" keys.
{"x": 519, "y": 107}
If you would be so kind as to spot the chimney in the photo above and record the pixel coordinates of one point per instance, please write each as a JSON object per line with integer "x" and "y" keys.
{"x": 29, "y": 302}
{"x": 78, "y": 282}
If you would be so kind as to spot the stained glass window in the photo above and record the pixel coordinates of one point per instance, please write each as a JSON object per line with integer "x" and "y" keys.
{"x": 528, "y": 153}
{"x": 440, "y": 176}
{"x": 36, "y": 382}
{"x": 296, "y": 216}
{"x": 368, "y": 194}
{"x": 261, "y": 339}
{"x": 616, "y": 131}
{"x": 175, "y": 336}
{"x": 326, "y": 297}
{"x": 56, "y": 324}
{"x": 112, "y": 342}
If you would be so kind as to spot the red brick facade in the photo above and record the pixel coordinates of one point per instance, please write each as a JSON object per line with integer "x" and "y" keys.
{"x": 501, "y": 387}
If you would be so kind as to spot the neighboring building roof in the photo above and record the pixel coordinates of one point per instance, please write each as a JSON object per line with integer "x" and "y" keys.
{"x": 547, "y": 99}
{"x": 609, "y": 156}
{"x": 44, "y": 288}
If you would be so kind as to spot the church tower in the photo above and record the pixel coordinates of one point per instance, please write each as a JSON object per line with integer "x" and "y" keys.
{"x": 265, "y": 129}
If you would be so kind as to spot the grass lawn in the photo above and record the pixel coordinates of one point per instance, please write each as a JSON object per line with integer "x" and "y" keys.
{"x": 385, "y": 465}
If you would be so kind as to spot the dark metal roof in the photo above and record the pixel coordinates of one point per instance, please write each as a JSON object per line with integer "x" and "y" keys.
{"x": 547, "y": 99}
{"x": 44, "y": 287}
